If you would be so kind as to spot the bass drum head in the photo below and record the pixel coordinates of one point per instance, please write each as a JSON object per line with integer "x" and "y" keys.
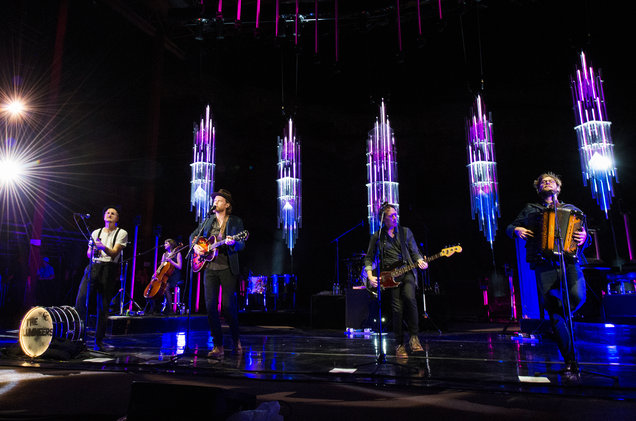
{"x": 36, "y": 332}
{"x": 41, "y": 324}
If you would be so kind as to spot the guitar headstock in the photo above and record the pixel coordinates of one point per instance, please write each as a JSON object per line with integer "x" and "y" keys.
{"x": 449, "y": 251}
{"x": 243, "y": 235}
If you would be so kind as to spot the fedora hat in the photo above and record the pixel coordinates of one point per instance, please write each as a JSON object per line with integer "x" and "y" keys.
{"x": 224, "y": 194}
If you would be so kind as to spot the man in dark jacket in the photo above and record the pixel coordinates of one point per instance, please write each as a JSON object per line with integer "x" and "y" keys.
{"x": 223, "y": 270}
{"x": 528, "y": 225}
{"x": 395, "y": 245}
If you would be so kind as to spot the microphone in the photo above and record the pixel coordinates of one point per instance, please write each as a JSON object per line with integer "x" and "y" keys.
{"x": 82, "y": 215}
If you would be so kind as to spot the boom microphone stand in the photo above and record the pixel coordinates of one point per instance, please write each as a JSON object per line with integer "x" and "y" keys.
{"x": 337, "y": 241}
{"x": 122, "y": 280}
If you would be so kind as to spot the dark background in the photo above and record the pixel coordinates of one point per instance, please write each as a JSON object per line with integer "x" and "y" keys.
{"x": 126, "y": 90}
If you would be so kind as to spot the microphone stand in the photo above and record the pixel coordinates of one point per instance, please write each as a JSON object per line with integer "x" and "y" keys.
{"x": 175, "y": 358}
{"x": 122, "y": 280}
{"x": 337, "y": 241}
{"x": 381, "y": 358}
{"x": 88, "y": 272}
{"x": 565, "y": 295}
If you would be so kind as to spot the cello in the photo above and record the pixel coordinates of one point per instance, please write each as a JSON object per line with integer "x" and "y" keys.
{"x": 157, "y": 285}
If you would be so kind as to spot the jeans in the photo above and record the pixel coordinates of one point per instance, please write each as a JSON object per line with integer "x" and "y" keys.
{"x": 212, "y": 280}
{"x": 548, "y": 276}
{"x": 103, "y": 282}
{"x": 404, "y": 307}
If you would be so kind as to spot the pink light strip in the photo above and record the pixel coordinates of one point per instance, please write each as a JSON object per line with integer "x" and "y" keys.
{"x": 439, "y": 4}
{"x": 258, "y": 12}
{"x": 419, "y": 18}
{"x": 196, "y": 305}
{"x": 277, "y": 17}
{"x": 219, "y": 10}
{"x": 238, "y": 11}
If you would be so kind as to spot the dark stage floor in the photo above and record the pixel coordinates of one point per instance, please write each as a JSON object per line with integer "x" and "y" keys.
{"x": 470, "y": 371}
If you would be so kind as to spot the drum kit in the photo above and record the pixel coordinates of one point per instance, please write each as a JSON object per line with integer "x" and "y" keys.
{"x": 356, "y": 275}
{"x": 269, "y": 293}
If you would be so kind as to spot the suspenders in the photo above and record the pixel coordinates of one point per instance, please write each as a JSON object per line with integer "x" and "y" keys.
{"x": 114, "y": 237}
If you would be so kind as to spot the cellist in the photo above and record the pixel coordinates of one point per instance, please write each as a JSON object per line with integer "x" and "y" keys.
{"x": 176, "y": 261}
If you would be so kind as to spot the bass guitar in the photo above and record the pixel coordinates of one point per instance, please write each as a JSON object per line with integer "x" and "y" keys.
{"x": 211, "y": 249}
{"x": 159, "y": 281}
{"x": 387, "y": 278}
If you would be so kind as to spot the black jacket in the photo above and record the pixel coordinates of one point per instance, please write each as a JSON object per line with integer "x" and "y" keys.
{"x": 233, "y": 227}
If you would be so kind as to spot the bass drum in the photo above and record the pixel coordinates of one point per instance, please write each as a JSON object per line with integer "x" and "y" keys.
{"x": 41, "y": 324}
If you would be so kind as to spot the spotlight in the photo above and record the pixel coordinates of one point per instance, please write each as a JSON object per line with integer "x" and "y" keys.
{"x": 10, "y": 171}
{"x": 15, "y": 108}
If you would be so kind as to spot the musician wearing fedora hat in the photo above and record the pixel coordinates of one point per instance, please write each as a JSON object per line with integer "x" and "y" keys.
{"x": 223, "y": 270}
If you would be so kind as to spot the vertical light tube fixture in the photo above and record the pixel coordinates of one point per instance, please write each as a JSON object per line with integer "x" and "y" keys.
{"x": 382, "y": 176}
{"x": 289, "y": 185}
{"x": 592, "y": 128}
{"x": 202, "y": 184}
{"x": 482, "y": 170}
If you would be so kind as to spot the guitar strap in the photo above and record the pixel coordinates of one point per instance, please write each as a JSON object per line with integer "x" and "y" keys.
{"x": 406, "y": 256}
{"x": 222, "y": 229}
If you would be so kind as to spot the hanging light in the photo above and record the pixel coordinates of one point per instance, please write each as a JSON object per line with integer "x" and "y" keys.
{"x": 382, "y": 177}
{"x": 482, "y": 170}
{"x": 202, "y": 184}
{"x": 596, "y": 149}
{"x": 289, "y": 185}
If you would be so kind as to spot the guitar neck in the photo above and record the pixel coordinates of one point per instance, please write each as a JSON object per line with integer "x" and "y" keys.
{"x": 433, "y": 257}
{"x": 402, "y": 270}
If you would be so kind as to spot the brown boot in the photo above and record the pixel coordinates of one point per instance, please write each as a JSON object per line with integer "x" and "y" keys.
{"x": 415, "y": 345}
{"x": 217, "y": 352}
{"x": 400, "y": 352}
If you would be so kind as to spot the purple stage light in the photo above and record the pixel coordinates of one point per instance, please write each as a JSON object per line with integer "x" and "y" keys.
{"x": 482, "y": 170}
{"x": 203, "y": 165}
{"x": 289, "y": 185}
{"x": 382, "y": 176}
{"x": 596, "y": 149}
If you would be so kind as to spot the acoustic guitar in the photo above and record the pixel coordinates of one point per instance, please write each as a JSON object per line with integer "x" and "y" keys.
{"x": 211, "y": 249}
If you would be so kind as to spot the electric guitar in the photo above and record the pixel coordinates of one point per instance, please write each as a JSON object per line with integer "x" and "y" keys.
{"x": 387, "y": 278}
{"x": 211, "y": 249}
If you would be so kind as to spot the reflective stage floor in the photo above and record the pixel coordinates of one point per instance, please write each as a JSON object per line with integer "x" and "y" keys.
{"x": 469, "y": 371}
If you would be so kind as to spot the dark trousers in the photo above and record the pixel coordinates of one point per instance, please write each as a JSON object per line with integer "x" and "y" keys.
{"x": 404, "y": 307}
{"x": 548, "y": 278}
{"x": 103, "y": 283}
{"x": 212, "y": 280}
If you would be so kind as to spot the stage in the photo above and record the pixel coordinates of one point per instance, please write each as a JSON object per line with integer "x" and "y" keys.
{"x": 159, "y": 369}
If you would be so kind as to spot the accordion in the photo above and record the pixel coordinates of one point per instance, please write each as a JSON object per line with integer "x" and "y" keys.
{"x": 564, "y": 222}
